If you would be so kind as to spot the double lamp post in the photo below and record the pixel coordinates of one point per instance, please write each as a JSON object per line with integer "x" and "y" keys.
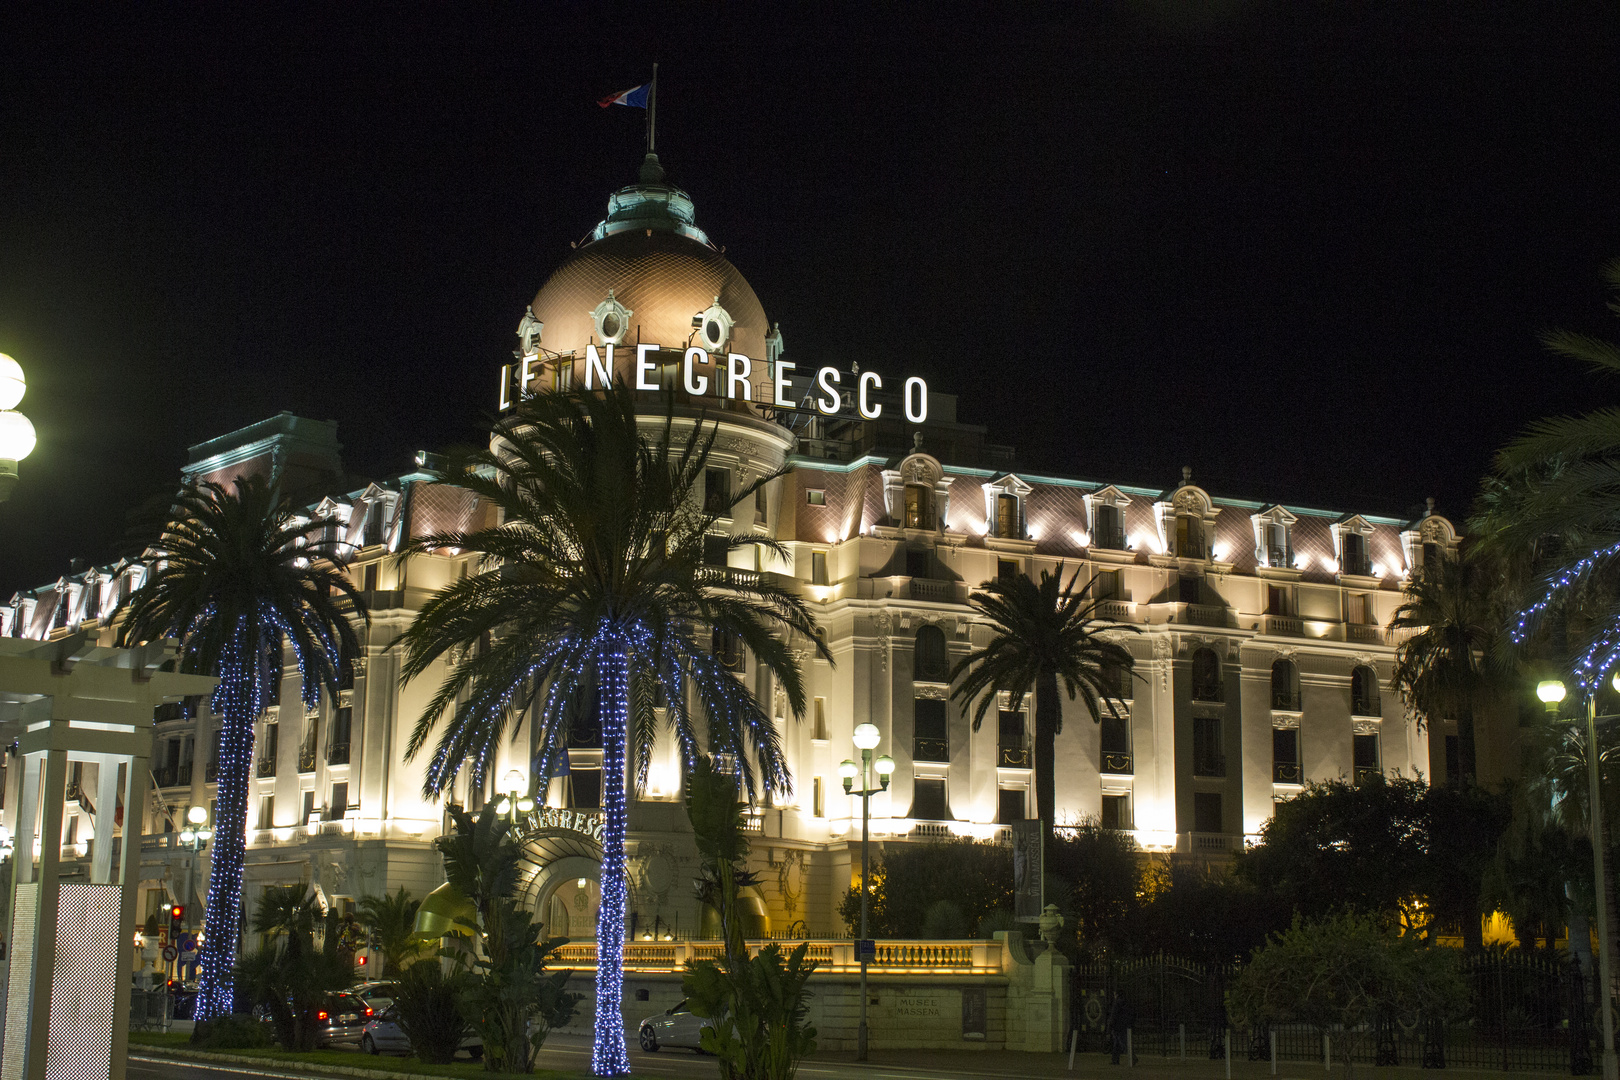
{"x": 1551, "y": 693}
{"x": 866, "y": 739}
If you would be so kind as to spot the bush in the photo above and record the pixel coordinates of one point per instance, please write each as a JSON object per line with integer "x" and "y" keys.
{"x": 909, "y": 879}
{"x": 230, "y": 1033}
{"x": 760, "y": 1008}
{"x": 428, "y": 1012}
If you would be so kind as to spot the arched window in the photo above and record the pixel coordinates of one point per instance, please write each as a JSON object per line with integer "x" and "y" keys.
{"x": 1206, "y": 676}
{"x": 1364, "y": 699}
{"x": 1284, "y": 685}
{"x": 917, "y": 501}
{"x": 929, "y": 661}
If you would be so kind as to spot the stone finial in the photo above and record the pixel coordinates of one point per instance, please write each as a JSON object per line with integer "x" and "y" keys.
{"x": 1186, "y": 474}
{"x": 1428, "y": 506}
{"x": 916, "y": 442}
{"x": 1051, "y": 924}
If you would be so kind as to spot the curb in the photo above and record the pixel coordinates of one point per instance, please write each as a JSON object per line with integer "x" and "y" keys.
{"x": 140, "y": 1051}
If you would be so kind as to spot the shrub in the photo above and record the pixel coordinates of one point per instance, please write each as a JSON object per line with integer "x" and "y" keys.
{"x": 230, "y": 1033}
{"x": 429, "y": 1012}
{"x": 760, "y": 1008}
{"x": 909, "y": 879}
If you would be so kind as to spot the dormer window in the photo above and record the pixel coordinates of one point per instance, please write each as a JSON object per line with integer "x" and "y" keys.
{"x": 917, "y": 507}
{"x": 1185, "y": 518}
{"x": 1350, "y": 537}
{"x": 1430, "y": 540}
{"x": 1004, "y": 508}
{"x": 1274, "y": 538}
{"x": 1278, "y": 549}
{"x": 1007, "y": 516}
{"x": 1190, "y": 536}
{"x": 1109, "y": 532}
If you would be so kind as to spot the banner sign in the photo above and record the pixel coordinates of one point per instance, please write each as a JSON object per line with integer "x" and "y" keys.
{"x": 1028, "y": 869}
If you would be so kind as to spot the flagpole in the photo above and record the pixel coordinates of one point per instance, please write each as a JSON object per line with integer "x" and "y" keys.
{"x": 652, "y": 114}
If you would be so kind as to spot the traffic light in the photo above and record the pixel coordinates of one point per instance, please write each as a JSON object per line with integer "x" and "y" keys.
{"x": 360, "y": 961}
{"x": 177, "y": 915}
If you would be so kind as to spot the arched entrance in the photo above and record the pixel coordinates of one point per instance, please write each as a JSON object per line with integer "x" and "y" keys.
{"x": 560, "y": 871}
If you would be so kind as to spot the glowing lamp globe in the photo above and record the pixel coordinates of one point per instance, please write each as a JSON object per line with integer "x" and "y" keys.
{"x": 1615, "y": 682}
{"x": 16, "y": 436}
{"x": 197, "y": 815}
{"x": 12, "y": 383}
{"x": 514, "y": 780}
{"x": 885, "y": 765}
{"x": 503, "y": 806}
{"x": 1550, "y": 692}
{"x": 866, "y": 737}
{"x": 525, "y": 805}
{"x": 187, "y": 836}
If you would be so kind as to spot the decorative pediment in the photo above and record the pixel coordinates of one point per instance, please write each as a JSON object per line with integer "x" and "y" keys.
{"x": 331, "y": 508}
{"x": 1266, "y": 521}
{"x": 923, "y": 470}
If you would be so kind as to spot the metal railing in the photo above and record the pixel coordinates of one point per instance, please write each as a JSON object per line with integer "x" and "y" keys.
{"x": 1285, "y": 701}
{"x": 267, "y": 766}
{"x": 167, "y": 776}
{"x": 337, "y": 754}
{"x": 211, "y": 772}
{"x": 1287, "y": 772}
{"x": 930, "y": 749}
{"x": 1014, "y": 757}
{"x": 306, "y": 759}
{"x": 1120, "y": 764}
{"x": 184, "y": 776}
{"x": 1365, "y": 773}
{"x": 1209, "y": 764}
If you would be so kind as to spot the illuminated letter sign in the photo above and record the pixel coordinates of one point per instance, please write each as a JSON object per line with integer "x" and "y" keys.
{"x": 525, "y": 373}
{"x": 699, "y": 384}
{"x": 644, "y": 366}
{"x": 738, "y": 370}
{"x": 594, "y": 367}
{"x": 920, "y": 413}
{"x": 869, "y": 378}
{"x": 506, "y": 386}
{"x": 829, "y": 401}
{"x": 784, "y": 382}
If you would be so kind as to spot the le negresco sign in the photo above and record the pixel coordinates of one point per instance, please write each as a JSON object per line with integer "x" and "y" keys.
{"x": 730, "y": 379}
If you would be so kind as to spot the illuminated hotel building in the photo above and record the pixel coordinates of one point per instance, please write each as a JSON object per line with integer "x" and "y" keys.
{"x": 1261, "y": 657}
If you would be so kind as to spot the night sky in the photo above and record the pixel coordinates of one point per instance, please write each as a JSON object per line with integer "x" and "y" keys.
{"x": 1306, "y": 249}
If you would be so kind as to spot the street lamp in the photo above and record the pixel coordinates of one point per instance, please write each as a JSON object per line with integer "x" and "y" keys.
{"x": 514, "y": 803}
{"x": 1551, "y": 692}
{"x": 195, "y": 835}
{"x": 16, "y": 433}
{"x": 866, "y": 738}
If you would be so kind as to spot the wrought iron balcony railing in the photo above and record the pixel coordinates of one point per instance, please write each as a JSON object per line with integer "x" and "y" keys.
{"x": 337, "y": 754}
{"x": 267, "y": 766}
{"x": 1287, "y": 772}
{"x": 306, "y": 759}
{"x": 1120, "y": 764}
{"x": 1209, "y": 765}
{"x": 930, "y": 749}
{"x": 1014, "y": 757}
{"x": 167, "y": 776}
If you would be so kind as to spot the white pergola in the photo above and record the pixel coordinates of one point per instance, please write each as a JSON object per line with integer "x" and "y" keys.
{"x": 71, "y": 931}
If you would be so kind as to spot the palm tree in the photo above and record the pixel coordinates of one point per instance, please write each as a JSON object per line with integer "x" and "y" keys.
{"x": 1452, "y": 627}
{"x": 289, "y": 975}
{"x": 592, "y": 594}
{"x": 391, "y": 919}
{"x": 233, "y": 573}
{"x": 1042, "y": 634}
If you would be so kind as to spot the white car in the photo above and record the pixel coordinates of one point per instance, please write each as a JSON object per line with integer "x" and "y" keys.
{"x": 674, "y": 1027}
{"x": 382, "y": 1035}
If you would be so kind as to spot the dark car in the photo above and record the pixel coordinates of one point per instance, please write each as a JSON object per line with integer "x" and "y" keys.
{"x": 342, "y": 1019}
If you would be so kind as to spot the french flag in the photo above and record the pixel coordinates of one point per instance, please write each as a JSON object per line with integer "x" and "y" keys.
{"x": 636, "y": 98}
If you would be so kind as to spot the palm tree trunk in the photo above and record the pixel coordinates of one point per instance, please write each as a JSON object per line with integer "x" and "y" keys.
{"x": 1048, "y": 706}
{"x": 608, "y": 1054}
{"x": 1465, "y": 745}
{"x": 240, "y": 698}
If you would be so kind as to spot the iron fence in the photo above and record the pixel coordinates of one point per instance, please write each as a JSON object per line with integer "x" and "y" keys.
{"x": 1525, "y": 1013}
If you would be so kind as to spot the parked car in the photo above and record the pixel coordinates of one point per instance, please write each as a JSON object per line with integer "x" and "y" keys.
{"x": 342, "y": 1020}
{"x": 674, "y": 1027}
{"x": 379, "y": 995}
{"x": 382, "y": 1035}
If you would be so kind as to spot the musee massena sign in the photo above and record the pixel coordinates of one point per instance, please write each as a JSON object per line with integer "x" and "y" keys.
{"x": 705, "y": 375}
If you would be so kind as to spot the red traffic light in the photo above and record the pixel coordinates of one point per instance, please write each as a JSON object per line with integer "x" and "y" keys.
{"x": 177, "y": 912}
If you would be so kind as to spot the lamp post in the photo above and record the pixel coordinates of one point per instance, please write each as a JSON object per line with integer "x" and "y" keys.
{"x": 1551, "y": 693}
{"x": 16, "y": 433}
{"x": 195, "y": 835}
{"x": 514, "y": 803}
{"x": 866, "y": 738}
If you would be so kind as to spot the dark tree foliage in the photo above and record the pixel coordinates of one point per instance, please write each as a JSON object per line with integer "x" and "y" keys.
{"x": 1204, "y": 913}
{"x": 909, "y": 879}
{"x": 1094, "y": 875}
{"x": 1395, "y": 847}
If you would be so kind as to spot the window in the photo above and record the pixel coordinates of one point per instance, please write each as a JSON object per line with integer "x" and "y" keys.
{"x": 818, "y": 568}
{"x": 1279, "y": 552}
{"x": 929, "y": 661}
{"x": 816, "y": 497}
{"x": 1354, "y": 559}
{"x": 92, "y": 601}
{"x": 1187, "y": 590}
{"x": 346, "y": 674}
{"x": 1285, "y": 765}
{"x": 1116, "y": 812}
{"x": 1364, "y": 755}
{"x": 1106, "y": 586}
{"x": 818, "y": 798}
{"x": 1431, "y": 556}
{"x": 268, "y": 745}
{"x": 1357, "y": 609}
{"x": 717, "y": 492}
{"x": 1010, "y": 805}
{"x": 1364, "y": 699}
{"x": 338, "y": 752}
{"x": 820, "y": 730}
{"x": 309, "y": 806}
{"x": 1115, "y": 682}
{"x": 1007, "y": 517}
{"x": 729, "y": 648}
{"x": 1116, "y": 744}
{"x": 1006, "y": 571}
{"x": 1278, "y": 600}
{"x": 1206, "y": 676}
{"x": 1189, "y": 536}
{"x": 930, "y": 731}
{"x": 928, "y": 799}
{"x": 1209, "y": 756}
{"x": 1207, "y": 812}
{"x": 917, "y": 562}
{"x": 716, "y": 549}
{"x": 1011, "y": 743}
{"x": 917, "y": 507}
{"x": 1109, "y": 531}
{"x": 370, "y": 579}
{"x": 760, "y": 505}
{"x": 1453, "y": 760}
{"x": 585, "y": 789}
{"x": 267, "y": 811}
{"x": 340, "y": 802}
{"x": 1284, "y": 685}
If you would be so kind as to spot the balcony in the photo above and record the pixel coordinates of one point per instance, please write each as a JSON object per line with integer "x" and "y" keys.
{"x": 1285, "y": 625}
{"x": 1203, "y": 614}
{"x": 168, "y": 776}
{"x": 1115, "y": 610}
{"x": 1284, "y": 701}
{"x": 1014, "y": 757}
{"x": 267, "y": 767}
{"x": 1356, "y": 566}
{"x": 1364, "y": 773}
{"x": 1287, "y": 772}
{"x": 1108, "y": 541}
{"x": 337, "y": 754}
{"x": 1364, "y": 633}
{"x": 727, "y": 577}
{"x": 930, "y": 749}
{"x": 1209, "y": 764}
{"x": 933, "y": 592}
{"x": 1119, "y": 764}
{"x": 183, "y": 778}
{"x": 1365, "y": 707}
{"x": 933, "y": 830}
{"x": 211, "y": 772}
